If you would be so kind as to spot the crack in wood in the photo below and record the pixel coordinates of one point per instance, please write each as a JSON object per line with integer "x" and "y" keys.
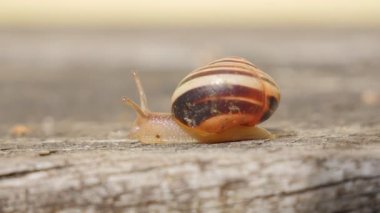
{"x": 17, "y": 174}
{"x": 291, "y": 193}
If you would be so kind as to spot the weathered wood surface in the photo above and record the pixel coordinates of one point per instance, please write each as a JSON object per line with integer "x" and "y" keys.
{"x": 110, "y": 175}
{"x": 326, "y": 157}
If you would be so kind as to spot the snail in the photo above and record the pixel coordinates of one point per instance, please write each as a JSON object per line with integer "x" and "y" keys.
{"x": 220, "y": 102}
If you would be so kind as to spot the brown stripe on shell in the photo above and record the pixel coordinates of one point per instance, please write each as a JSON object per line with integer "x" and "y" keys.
{"x": 233, "y": 60}
{"x": 195, "y": 106}
{"x": 212, "y": 91}
{"x": 225, "y": 71}
{"x": 272, "y": 106}
{"x": 215, "y": 72}
{"x": 234, "y": 67}
{"x": 269, "y": 82}
{"x": 231, "y": 65}
{"x": 256, "y": 102}
{"x": 203, "y": 111}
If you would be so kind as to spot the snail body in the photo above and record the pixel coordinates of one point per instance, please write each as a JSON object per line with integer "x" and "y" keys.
{"x": 222, "y": 101}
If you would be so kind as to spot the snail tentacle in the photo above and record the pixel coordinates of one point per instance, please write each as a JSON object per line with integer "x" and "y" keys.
{"x": 134, "y": 106}
{"x": 140, "y": 89}
{"x": 143, "y": 109}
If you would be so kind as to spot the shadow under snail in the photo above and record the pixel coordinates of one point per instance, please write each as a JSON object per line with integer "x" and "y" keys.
{"x": 220, "y": 102}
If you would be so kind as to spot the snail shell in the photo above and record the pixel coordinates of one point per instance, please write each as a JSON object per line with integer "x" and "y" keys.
{"x": 220, "y": 102}
{"x": 224, "y": 94}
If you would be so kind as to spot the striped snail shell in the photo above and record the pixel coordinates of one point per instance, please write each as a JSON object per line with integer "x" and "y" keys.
{"x": 225, "y": 94}
{"x": 220, "y": 102}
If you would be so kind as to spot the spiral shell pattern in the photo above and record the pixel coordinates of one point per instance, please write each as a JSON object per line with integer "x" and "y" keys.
{"x": 224, "y": 94}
